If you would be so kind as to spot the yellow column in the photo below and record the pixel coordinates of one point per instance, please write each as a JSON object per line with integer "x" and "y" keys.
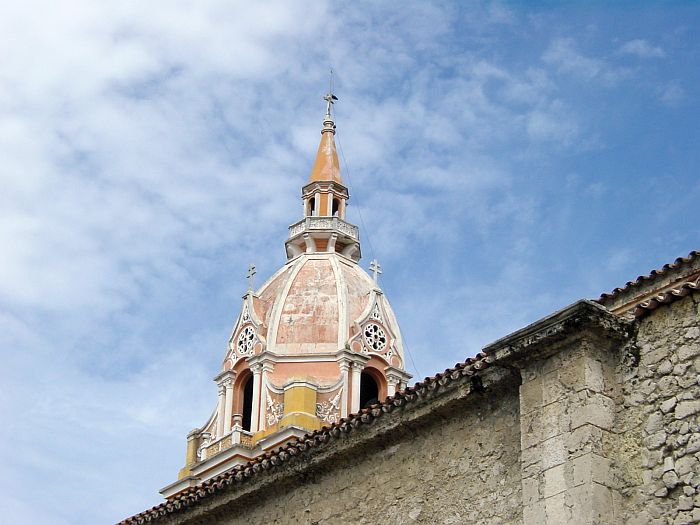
{"x": 300, "y": 406}
{"x": 191, "y": 454}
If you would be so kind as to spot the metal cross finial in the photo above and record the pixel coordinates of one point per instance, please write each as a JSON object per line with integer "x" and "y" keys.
{"x": 251, "y": 273}
{"x": 376, "y": 269}
{"x": 330, "y": 99}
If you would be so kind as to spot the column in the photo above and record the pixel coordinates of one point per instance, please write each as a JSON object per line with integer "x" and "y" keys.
{"x": 266, "y": 369}
{"x": 193, "y": 439}
{"x": 228, "y": 404}
{"x": 237, "y": 428}
{"x": 220, "y": 408}
{"x": 356, "y": 371}
{"x": 391, "y": 383}
{"x": 344, "y": 368}
{"x": 255, "y": 416}
{"x": 317, "y": 199}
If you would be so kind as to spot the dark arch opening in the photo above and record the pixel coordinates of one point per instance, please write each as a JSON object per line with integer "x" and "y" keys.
{"x": 336, "y": 207}
{"x": 312, "y": 206}
{"x": 369, "y": 390}
{"x": 247, "y": 403}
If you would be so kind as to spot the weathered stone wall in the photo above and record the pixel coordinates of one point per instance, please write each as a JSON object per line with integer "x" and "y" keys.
{"x": 463, "y": 467}
{"x": 658, "y": 452}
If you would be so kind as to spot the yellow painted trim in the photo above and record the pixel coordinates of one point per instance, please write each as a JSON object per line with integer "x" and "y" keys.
{"x": 305, "y": 421}
{"x": 300, "y": 399}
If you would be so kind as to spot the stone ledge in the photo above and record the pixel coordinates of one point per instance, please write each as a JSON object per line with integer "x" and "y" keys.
{"x": 540, "y": 339}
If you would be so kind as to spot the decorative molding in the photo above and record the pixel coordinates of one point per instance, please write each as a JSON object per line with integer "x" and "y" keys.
{"x": 275, "y": 410}
{"x": 329, "y": 411}
{"x": 310, "y": 224}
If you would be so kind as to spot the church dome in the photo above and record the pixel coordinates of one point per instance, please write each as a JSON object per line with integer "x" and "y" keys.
{"x": 317, "y": 304}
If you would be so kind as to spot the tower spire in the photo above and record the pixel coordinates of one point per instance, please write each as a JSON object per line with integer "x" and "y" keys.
{"x": 326, "y": 167}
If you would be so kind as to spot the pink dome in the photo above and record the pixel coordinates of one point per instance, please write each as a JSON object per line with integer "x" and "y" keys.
{"x": 317, "y": 303}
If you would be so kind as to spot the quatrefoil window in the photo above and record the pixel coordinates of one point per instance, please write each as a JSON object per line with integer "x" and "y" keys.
{"x": 245, "y": 340}
{"x": 375, "y": 338}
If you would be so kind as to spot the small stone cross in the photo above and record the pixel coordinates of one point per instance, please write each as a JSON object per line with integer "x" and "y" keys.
{"x": 376, "y": 269}
{"x": 251, "y": 273}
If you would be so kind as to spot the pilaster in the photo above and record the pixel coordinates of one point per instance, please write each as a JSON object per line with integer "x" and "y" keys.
{"x": 344, "y": 374}
{"x": 220, "y": 407}
{"x": 567, "y": 413}
{"x": 256, "y": 369}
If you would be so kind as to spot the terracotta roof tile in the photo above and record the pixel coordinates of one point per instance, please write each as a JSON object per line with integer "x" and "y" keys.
{"x": 646, "y": 307}
{"x": 654, "y": 274}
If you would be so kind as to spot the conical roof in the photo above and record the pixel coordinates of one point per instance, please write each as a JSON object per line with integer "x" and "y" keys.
{"x": 326, "y": 167}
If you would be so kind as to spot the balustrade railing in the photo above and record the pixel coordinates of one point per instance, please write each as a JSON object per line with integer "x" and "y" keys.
{"x": 324, "y": 223}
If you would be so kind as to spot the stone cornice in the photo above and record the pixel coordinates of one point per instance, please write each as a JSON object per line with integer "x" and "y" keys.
{"x": 583, "y": 318}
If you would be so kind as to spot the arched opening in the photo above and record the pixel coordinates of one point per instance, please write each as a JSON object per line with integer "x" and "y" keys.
{"x": 312, "y": 207}
{"x": 247, "y": 403}
{"x": 336, "y": 208}
{"x": 369, "y": 390}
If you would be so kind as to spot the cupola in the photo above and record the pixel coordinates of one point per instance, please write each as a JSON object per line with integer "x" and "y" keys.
{"x": 324, "y": 228}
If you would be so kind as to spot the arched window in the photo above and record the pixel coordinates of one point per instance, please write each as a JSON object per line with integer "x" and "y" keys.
{"x": 336, "y": 208}
{"x": 369, "y": 390}
{"x": 247, "y": 403}
{"x": 312, "y": 206}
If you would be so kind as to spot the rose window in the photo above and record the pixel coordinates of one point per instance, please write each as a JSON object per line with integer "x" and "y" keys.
{"x": 375, "y": 338}
{"x": 245, "y": 340}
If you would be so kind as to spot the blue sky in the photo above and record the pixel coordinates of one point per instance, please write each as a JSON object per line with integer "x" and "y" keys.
{"x": 506, "y": 159}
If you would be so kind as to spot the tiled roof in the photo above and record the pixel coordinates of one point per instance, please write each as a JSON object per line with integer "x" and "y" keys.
{"x": 654, "y": 274}
{"x": 271, "y": 460}
{"x": 647, "y": 292}
{"x": 646, "y": 307}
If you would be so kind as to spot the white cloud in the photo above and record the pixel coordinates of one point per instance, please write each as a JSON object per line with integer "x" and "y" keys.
{"x": 672, "y": 93}
{"x": 642, "y": 49}
{"x": 563, "y": 54}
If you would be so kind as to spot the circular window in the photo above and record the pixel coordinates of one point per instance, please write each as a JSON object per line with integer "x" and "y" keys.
{"x": 375, "y": 337}
{"x": 245, "y": 340}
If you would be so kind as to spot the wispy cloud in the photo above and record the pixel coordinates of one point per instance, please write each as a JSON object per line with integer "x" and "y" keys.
{"x": 642, "y": 49}
{"x": 565, "y": 56}
{"x": 672, "y": 93}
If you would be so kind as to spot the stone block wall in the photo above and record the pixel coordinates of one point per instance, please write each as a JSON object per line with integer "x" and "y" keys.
{"x": 659, "y": 419}
{"x": 460, "y": 467}
{"x": 567, "y": 406}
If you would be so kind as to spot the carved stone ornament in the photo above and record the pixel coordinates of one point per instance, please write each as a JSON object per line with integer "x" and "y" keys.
{"x": 329, "y": 411}
{"x": 374, "y": 336}
{"x": 377, "y": 313}
{"x": 245, "y": 341}
{"x": 275, "y": 411}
